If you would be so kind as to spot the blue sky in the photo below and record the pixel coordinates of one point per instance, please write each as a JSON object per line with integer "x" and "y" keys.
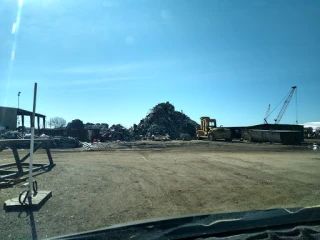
{"x": 113, "y": 60}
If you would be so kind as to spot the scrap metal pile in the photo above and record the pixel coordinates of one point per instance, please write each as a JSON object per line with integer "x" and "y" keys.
{"x": 163, "y": 120}
{"x": 115, "y": 132}
{"x": 58, "y": 141}
{"x": 11, "y": 135}
{"x": 161, "y": 124}
{"x": 65, "y": 142}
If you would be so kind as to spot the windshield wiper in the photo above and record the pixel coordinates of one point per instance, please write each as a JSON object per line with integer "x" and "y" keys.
{"x": 250, "y": 222}
{"x": 209, "y": 225}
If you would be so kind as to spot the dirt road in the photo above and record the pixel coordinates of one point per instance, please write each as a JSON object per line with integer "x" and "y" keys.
{"x": 99, "y": 188}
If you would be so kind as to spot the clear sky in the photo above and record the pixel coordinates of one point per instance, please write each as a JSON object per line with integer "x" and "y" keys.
{"x": 111, "y": 61}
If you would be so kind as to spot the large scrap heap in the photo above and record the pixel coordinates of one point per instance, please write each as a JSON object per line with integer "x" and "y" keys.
{"x": 164, "y": 120}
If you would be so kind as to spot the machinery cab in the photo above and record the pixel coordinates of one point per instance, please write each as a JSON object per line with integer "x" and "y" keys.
{"x": 208, "y": 129}
{"x": 206, "y": 124}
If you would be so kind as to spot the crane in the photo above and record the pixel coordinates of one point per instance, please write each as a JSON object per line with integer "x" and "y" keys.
{"x": 267, "y": 115}
{"x": 285, "y": 105}
{"x": 287, "y": 99}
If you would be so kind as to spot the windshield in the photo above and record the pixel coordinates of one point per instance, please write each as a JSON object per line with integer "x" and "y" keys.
{"x": 212, "y": 124}
{"x": 121, "y": 87}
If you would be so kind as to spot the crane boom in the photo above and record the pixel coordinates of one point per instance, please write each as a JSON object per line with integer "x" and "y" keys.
{"x": 267, "y": 115}
{"x": 285, "y": 105}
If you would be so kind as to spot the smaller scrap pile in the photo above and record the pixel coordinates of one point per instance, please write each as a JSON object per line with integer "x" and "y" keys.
{"x": 163, "y": 120}
{"x": 65, "y": 142}
{"x": 115, "y": 132}
{"x": 11, "y": 135}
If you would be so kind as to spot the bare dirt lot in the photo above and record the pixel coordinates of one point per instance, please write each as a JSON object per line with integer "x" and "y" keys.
{"x": 143, "y": 180}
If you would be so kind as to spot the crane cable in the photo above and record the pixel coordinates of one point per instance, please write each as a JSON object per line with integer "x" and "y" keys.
{"x": 279, "y": 104}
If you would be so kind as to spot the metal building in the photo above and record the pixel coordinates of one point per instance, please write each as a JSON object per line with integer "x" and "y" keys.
{"x": 9, "y": 116}
{"x": 279, "y": 133}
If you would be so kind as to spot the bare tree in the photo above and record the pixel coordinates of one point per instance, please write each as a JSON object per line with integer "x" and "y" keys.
{"x": 57, "y": 122}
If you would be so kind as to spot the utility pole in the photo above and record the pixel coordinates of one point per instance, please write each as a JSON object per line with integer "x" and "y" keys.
{"x": 18, "y": 108}
{"x": 32, "y": 141}
{"x": 18, "y": 98}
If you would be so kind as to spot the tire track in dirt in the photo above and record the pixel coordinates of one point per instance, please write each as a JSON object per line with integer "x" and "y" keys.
{"x": 147, "y": 183}
{"x": 271, "y": 188}
{"x": 241, "y": 170}
{"x": 267, "y": 165}
{"x": 190, "y": 191}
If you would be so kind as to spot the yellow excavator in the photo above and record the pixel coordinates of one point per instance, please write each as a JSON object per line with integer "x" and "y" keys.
{"x": 208, "y": 129}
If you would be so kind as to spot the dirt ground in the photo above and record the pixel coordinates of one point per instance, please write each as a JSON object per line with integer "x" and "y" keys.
{"x": 144, "y": 180}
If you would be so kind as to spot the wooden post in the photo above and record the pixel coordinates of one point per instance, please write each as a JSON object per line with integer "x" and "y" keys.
{"x": 17, "y": 158}
{"x": 49, "y": 156}
{"x": 22, "y": 119}
{"x": 44, "y": 122}
{"x": 38, "y": 121}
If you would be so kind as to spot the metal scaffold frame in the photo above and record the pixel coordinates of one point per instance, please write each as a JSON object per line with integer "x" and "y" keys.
{"x": 7, "y": 172}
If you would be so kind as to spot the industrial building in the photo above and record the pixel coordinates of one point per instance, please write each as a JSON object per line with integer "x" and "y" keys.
{"x": 9, "y": 116}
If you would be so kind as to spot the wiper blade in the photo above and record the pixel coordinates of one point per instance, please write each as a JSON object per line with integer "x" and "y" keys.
{"x": 250, "y": 221}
